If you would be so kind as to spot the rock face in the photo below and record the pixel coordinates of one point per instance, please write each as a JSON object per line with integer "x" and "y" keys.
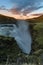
{"x": 19, "y": 29}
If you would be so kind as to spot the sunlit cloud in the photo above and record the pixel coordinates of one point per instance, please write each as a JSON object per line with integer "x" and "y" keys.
{"x": 38, "y": 11}
{"x": 21, "y": 9}
{"x": 17, "y": 16}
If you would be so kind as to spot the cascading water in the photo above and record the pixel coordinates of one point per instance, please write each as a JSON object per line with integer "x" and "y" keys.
{"x": 20, "y": 31}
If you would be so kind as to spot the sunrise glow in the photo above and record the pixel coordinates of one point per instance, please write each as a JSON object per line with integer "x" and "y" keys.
{"x": 17, "y": 16}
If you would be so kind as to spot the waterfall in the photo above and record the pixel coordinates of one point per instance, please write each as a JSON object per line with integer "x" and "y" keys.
{"x": 20, "y": 31}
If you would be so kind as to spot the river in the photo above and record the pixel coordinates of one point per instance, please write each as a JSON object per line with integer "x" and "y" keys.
{"x": 21, "y": 32}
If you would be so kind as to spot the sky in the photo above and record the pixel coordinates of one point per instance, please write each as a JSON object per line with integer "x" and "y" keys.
{"x": 17, "y": 8}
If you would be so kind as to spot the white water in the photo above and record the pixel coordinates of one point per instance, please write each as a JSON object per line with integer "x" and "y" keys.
{"x": 20, "y": 32}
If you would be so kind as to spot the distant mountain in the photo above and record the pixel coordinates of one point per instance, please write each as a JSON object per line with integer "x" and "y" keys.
{"x": 7, "y": 20}
{"x": 36, "y": 20}
{"x": 11, "y": 20}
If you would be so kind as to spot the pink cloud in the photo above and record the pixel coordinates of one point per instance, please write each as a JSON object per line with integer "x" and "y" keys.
{"x": 14, "y": 11}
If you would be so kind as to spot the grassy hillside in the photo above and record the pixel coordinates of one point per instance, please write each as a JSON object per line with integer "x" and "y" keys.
{"x": 36, "y": 20}
{"x": 36, "y": 28}
{"x": 9, "y": 50}
{"x": 7, "y": 20}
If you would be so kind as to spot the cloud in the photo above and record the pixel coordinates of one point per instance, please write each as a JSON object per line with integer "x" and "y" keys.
{"x": 23, "y": 7}
{"x": 26, "y": 6}
{"x": 14, "y": 11}
{"x": 33, "y": 7}
{"x": 36, "y": 13}
{"x": 2, "y": 7}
